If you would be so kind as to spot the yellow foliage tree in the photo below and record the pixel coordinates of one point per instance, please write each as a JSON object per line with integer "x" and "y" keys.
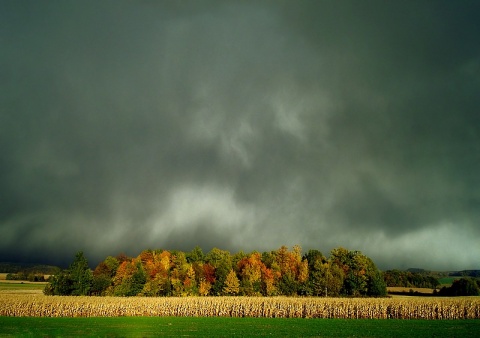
{"x": 232, "y": 284}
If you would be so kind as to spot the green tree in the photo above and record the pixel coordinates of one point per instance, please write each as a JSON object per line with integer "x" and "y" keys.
{"x": 189, "y": 283}
{"x": 59, "y": 284}
{"x": 196, "y": 255}
{"x": 335, "y": 280}
{"x": 81, "y": 275}
{"x": 112, "y": 264}
{"x": 178, "y": 273}
{"x": 316, "y": 283}
{"x": 221, "y": 260}
{"x": 354, "y": 283}
{"x": 137, "y": 281}
{"x": 361, "y": 276}
{"x": 77, "y": 280}
{"x": 376, "y": 285}
{"x": 462, "y": 287}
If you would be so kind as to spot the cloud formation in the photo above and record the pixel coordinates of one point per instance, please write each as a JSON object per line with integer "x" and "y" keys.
{"x": 241, "y": 125}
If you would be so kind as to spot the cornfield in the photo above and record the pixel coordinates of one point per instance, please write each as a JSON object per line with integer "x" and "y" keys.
{"x": 278, "y": 307}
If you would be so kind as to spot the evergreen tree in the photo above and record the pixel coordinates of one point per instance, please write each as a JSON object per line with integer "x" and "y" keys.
{"x": 77, "y": 280}
{"x": 461, "y": 287}
{"x": 376, "y": 285}
{"x": 81, "y": 275}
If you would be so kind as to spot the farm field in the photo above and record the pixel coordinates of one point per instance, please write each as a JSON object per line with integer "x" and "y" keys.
{"x": 16, "y": 305}
{"x": 403, "y": 289}
{"x": 228, "y": 327}
{"x": 17, "y": 287}
{"x": 25, "y": 311}
{"x": 447, "y": 281}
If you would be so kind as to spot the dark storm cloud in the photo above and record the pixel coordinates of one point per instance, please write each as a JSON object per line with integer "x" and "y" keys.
{"x": 241, "y": 125}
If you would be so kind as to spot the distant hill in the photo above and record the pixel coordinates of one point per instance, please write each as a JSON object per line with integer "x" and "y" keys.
{"x": 444, "y": 274}
{"x": 417, "y": 270}
{"x": 7, "y": 267}
{"x": 466, "y": 273}
{"x": 461, "y": 273}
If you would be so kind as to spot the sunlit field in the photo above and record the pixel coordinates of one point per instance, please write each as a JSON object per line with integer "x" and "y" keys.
{"x": 393, "y": 289}
{"x": 26, "y": 311}
{"x": 14, "y": 287}
{"x": 17, "y": 305}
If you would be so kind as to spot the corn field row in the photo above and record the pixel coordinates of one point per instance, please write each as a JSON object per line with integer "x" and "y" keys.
{"x": 275, "y": 307}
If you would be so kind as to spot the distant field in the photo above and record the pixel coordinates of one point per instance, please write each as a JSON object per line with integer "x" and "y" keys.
{"x": 447, "y": 281}
{"x": 228, "y": 327}
{"x": 407, "y": 289}
{"x": 18, "y": 287}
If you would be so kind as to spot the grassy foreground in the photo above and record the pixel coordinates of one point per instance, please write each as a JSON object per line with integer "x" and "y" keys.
{"x": 227, "y": 327}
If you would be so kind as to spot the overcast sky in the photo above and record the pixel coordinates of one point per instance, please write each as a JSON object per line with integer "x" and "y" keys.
{"x": 242, "y": 125}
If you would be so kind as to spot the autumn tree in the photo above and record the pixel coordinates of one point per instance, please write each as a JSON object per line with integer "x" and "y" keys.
{"x": 232, "y": 284}
{"x": 103, "y": 274}
{"x": 129, "y": 279}
{"x": 206, "y": 279}
{"x": 204, "y": 287}
{"x": 279, "y": 272}
{"x": 189, "y": 282}
{"x": 268, "y": 282}
{"x": 157, "y": 275}
{"x": 250, "y": 269}
{"x": 150, "y": 263}
{"x": 293, "y": 270}
{"x": 146, "y": 256}
{"x": 270, "y": 274}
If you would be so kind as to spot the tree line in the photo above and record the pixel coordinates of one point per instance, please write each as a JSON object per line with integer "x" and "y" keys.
{"x": 176, "y": 273}
{"x": 29, "y": 272}
{"x": 26, "y": 268}
{"x": 465, "y": 286}
{"x": 410, "y": 279}
{"x": 21, "y": 276}
{"x": 466, "y": 273}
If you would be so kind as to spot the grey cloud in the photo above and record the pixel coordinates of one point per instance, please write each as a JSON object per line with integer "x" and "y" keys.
{"x": 240, "y": 125}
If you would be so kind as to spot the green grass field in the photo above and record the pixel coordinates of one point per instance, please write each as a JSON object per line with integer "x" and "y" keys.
{"x": 228, "y": 327}
{"x": 19, "y": 287}
{"x": 447, "y": 281}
